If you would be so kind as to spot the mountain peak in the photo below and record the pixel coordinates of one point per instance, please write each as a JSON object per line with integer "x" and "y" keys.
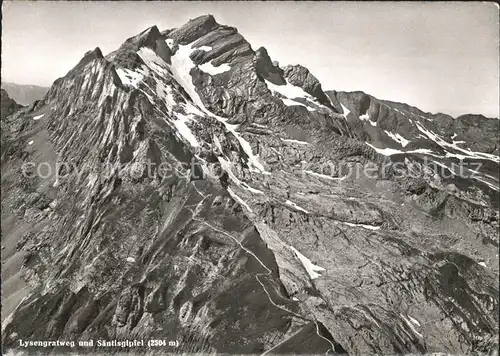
{"x": 301, "y": 76}
{"x": 146, "y": 38}
{"x": 194, "y": 29}
{"x": 266, "y": 68}
{"x": 96, "y": 53}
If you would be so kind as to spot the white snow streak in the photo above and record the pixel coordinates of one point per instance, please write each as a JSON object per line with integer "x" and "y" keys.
{"x": 261, "y": 126}
{"x": 30, "y": 143}
{"x": 414, "y": 321}
{"x": 369, "y": 227}
{"x": 491, "y": 185}
{"x": 324, "y": 175}
{"x": 392, "y": 151}
{"x": 385, "y": 151}
{"x": 38, "y": 117}
{"x": 227, "y": 166}
{"x": 184, "y": 130}
{"x": 239, "y": 200}
{"x": 293, "y": 205}
{"x": 311, "y": 268}
{"x": 294, "y": 141}
{"x": 410, "y": 324}
{"x": 398, "y": 138}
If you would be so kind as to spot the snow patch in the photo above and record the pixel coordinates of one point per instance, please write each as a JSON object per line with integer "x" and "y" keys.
{"x": 482, "y": 263}
{"x": 261, "y": 126}
{"x": 324, "y": 175}
{"x": 130, "y": 259}
{"x": 129, "y": 77}
{"x": 392, "y": 151}
{"x": 290, "y": 92}
{"x": 294, "y": 141}
{"x": 385, "y": 151}
{"x": 366, "y": 117}
{"x": 184, "y": 130}
{"x": 212, "y": 70}
{"x": 165, "y": 92}
{"x": 239, "y": 200}
{"x": 38, "y": 117}
{"x": 414, "y": 321}
{"x": 398, "y": 138}
{"x": 311, "y": 268}
{"x": 369, "y": 227}
{"x": 410, "y": 324}
{"x": 290, "y": 102}
{"x": 203, "y": 48}
{"x": 30, "y": 143}
{"x": 345, "y": 110}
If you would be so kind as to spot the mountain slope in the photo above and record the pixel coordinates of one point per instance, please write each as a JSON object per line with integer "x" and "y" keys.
{"x": 211, "y": 197}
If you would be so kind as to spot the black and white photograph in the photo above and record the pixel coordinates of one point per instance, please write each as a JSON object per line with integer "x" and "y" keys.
{"x": 250, "y": 178}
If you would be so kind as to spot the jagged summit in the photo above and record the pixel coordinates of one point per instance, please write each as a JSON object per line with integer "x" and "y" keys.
{"x": 194, "y": 29}
{"x": 267, "y": 69}
{"x": 210, "y": 196}
{"x": 89, "y": 56}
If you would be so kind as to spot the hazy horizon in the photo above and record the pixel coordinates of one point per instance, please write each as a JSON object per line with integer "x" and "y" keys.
{"x": 439, "y": 57}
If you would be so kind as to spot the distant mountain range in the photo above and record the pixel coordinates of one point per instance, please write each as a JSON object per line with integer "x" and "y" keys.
{"x": 24, "y": 94}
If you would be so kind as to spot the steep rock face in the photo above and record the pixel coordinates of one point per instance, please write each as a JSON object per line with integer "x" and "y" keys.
{"x": 8, "y": 105}
{"x": 300, "y": 76}
{"x": 204, "y": 200}
{"x": 480, "y": 132}
{"x": 267, "y": 69}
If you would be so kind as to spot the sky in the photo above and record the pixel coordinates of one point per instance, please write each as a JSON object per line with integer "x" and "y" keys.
{"x": 438, "y": 56}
